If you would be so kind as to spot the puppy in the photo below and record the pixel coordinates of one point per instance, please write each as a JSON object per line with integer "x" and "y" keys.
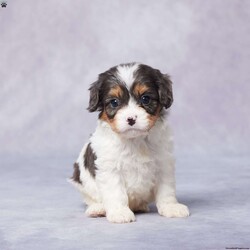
{"x": 128, "y": 161}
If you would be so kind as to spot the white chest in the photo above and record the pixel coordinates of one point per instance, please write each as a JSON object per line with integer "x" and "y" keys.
{"x": 139, "y": 171}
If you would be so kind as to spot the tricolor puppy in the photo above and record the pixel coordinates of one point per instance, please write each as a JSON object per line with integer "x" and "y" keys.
{"x": 128, "y": 161}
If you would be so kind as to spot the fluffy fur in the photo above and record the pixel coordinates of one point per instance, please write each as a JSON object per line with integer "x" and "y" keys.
{"x": 128, "y": 161}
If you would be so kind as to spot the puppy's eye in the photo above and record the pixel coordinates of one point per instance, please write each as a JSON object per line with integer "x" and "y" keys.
{"x": 145, "y": 99}
{"x": 114, "y": 103}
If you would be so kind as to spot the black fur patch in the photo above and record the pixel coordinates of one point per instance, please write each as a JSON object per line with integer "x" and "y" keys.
{"x": 76, "y": 174}
{"x": 152, "y": 92}
{"x": 89, "y": 160}
{"x": 157, "y": 82}
{"x": 100, "y": 88}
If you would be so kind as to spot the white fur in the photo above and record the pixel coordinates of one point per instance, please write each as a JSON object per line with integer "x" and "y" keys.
{"x": 131, "y": 172}
{"x": 126, "y": 73}
{"x": 132, "y": 110}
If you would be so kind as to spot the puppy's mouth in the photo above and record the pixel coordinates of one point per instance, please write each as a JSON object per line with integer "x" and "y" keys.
{"x": 135, "y": 129}
{"x": 134, "y": 132}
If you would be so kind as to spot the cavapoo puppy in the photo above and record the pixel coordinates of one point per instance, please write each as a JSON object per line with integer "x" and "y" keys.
{"x": 128, "y": 161}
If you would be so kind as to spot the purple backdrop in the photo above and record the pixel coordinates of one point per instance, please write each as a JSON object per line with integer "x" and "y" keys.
{"x": 51, "y": 52}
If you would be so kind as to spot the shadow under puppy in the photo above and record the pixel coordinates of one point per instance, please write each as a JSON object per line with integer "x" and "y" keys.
{"x": 128, "y": 161}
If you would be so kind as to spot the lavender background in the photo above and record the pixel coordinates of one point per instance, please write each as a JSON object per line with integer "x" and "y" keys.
{"x": 52, "y": 51}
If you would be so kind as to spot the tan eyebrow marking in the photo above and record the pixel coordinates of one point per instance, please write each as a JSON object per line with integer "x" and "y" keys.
{"x": 116, "y": 91}
{"x": 139, "y": 89}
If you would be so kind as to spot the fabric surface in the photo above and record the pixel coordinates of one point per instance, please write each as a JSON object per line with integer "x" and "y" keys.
{"x": 51, "y": 53}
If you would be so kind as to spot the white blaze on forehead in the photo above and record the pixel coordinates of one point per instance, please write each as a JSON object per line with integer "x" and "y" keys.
{"x": 126, "y": 73}
{"x": 132, "y": 102}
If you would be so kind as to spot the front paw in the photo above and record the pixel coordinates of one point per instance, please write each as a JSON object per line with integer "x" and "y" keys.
{"x": 173, "y": 210}
{"x": 120, "y": 215}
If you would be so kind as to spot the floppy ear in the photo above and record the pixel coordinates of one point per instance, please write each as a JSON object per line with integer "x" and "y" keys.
{"x": 165, "y": 91}
{"x": 94, "y": 99}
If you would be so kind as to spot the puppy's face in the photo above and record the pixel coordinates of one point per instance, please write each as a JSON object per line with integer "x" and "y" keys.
{"x": 130, "y": 98}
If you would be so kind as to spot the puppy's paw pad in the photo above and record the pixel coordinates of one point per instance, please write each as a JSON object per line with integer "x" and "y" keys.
{"x": 175, "y": 210}
{"x": 95, "y": 210}
{"x": 121, "y": 215}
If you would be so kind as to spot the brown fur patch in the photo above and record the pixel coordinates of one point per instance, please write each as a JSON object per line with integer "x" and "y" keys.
{"x": 153, "y": 118}
{"x": 140, "y": 89}
{"x": 111, "y": 122}
{"x": 104, "y": 116}
{"x": 116, "y": 91}
{"x": 76, "y": 174}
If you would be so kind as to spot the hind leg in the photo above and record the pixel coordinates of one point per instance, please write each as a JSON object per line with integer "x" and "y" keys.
{"x": 95, "y": 210}
{"x": 95, "y": 207}
{"x": 90, "y": 194}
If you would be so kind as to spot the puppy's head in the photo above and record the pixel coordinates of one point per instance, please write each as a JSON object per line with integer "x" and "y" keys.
{"x": 130, "y": 98}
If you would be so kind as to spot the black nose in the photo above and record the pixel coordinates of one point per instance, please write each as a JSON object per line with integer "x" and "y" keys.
{"x": 131, "y": 121}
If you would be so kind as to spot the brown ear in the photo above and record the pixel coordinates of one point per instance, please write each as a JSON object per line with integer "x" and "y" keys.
{"x": 94, "y": 99}
{"x": 165, "y": 91}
